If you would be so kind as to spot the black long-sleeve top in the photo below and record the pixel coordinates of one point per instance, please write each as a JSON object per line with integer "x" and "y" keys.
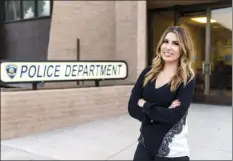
{"x": 159, "y": 123}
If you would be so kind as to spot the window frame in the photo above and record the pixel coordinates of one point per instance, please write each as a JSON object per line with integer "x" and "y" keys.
{"x": 35, "y": 17}
{"x": 2, "y": 11}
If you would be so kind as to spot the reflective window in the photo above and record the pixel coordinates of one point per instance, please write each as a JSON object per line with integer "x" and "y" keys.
{"x": 221, "y": 53}
{"x": 43, "y": 8}
{"x": 28, "y": 9}
{"x": 195, "y": 24}
{"x": 12, "y": 10}
{"x": 165, "y": 20}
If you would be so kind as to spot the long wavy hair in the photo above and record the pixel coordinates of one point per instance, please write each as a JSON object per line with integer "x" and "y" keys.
{"x": 185, "y": 72}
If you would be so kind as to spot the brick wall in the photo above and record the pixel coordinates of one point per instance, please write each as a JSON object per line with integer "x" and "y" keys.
{"x": 141, "y": 36}
{"x": 93, "y": 22}
{"x": 108, "y": 30}
{"x": 28, "y": 112}
{"x": 126, "y": 35}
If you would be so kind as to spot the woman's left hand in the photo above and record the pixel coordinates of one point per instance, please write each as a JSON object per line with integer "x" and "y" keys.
{"x": 141, "y": 102}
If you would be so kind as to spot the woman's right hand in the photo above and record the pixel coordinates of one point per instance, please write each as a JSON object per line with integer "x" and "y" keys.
{"x": 174, "y": 104}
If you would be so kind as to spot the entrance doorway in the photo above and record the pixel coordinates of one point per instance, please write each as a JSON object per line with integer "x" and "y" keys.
{"x": 210, "y": 27}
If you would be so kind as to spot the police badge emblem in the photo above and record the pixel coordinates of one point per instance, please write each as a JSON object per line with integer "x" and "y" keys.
{"x": 11, "y": 70}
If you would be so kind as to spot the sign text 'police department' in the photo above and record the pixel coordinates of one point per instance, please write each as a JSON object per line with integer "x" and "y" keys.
{"x": 59, "y": 71}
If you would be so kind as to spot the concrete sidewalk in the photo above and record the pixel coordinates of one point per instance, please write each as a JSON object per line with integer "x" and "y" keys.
{"x": 210, "y": 137}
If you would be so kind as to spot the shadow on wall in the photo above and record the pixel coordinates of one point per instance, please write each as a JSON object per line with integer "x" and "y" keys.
{"x": 25, "y": 40}
{"x": 2, "y": 43}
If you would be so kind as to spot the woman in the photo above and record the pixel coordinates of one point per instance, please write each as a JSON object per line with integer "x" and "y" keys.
{"x": 161, "y": 97}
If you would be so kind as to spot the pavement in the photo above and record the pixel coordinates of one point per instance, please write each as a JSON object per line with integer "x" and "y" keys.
{"x": 210, "y": 138}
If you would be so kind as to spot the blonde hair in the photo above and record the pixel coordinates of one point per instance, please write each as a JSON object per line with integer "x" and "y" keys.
{"x": 185, "y": 72}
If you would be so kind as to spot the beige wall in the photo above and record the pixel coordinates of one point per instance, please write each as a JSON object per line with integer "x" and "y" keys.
{"x": 92, "y": 22}
{"x": 131, "y": 31}
{"x": 108, "y": 30}
{"x": 126, "y": 35}
{"x": 27, "y": 112}
{"x": 142, "y": 36}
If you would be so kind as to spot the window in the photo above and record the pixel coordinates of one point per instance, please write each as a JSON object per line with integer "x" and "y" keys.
{"x": 13, "y": 10}
{"x": 28, "y": 9}
{"x": 221, "y": 53}
{"x": 43, "y": 8}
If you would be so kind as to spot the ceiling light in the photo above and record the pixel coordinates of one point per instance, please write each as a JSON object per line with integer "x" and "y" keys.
{"x": 202, "y": 20}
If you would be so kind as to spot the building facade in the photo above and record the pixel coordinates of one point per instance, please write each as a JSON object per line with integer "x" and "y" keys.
{"x": 101, "y": 30}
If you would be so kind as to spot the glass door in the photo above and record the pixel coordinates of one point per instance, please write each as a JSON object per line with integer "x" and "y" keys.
{"x": 194, "y": 23}
{"x": 211, "y": 32}
{"x": 221, "y": 52}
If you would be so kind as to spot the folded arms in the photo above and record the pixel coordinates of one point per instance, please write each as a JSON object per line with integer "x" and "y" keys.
{"x": 154, "y": 111}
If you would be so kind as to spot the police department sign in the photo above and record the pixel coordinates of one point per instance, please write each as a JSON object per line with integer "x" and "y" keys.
{"x": 62, "y": 71}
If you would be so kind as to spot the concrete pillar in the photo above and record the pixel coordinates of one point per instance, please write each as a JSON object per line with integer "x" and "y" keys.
{"x": 141, "y": 36}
